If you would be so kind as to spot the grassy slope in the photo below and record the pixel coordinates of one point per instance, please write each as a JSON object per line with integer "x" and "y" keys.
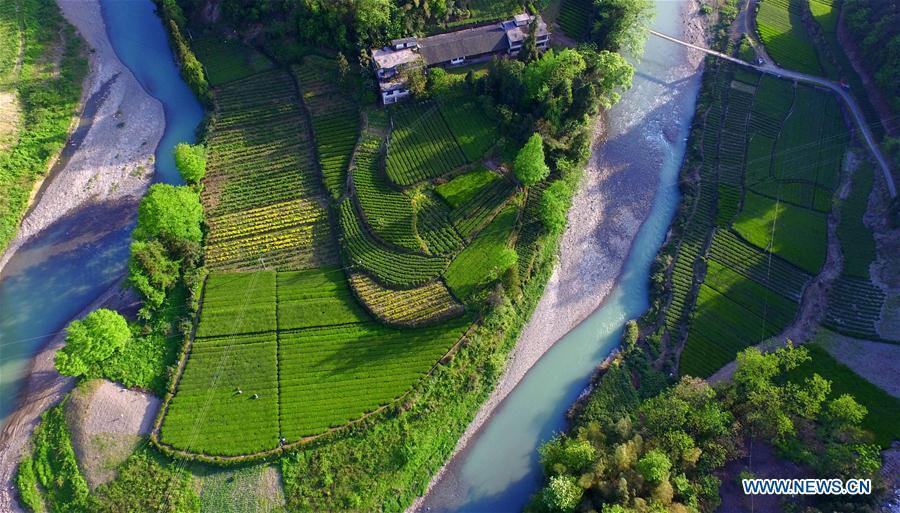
{"x": 48, "y": 101}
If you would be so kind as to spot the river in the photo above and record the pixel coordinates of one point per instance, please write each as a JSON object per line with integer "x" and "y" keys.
{"x": 65, "y": 267}
{"x": 498, "y": 471}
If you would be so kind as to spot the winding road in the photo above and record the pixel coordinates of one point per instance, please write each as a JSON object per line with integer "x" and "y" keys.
{"x": 773, "y": 69}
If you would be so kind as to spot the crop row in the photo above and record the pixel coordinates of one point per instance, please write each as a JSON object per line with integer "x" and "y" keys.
{"x": 413, "y": 307}
{"x": 421, "y": 146}
{"x": 757, "y": 265}
{"x": 388, "y": 212}
{"x": 316, "y": 297}
{"x": 575, "y": 18}
{"x": 269, "y": 218}
{"x": 335, "y": 374}
{"x": 300, "y": 246}
{"x": 531, "y": 228}
{"x": 732, "y": 149}
{"x": 781, "y": 28}
{"x": 471, "y": 216}
{"x": 235, "y": 303}
{"x": 473, "y": 129}
{"x": 335, "y": 120}
{"x": 854, "y": 307}
{"x": 434, "y": 226}
{"x": 402, "y": 270}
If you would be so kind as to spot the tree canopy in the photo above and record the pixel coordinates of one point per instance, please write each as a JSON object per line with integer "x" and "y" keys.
{"x": 169, "y": 211}
{"x": 91, "y": 340}
{"x": 530, "y": 166}
{"x": 554, "y": 206}
{"x": 191, "y": 162}
{"x": 622, "y": 24}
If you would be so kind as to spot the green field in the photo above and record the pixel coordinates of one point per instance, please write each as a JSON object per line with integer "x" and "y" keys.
{"x": 883, "y": 408}
{"x": 787, "y": 41}
{"x": 479, "y": 262}
{"x": 420, "y": 306}
{"x": 226, "y": 60}
{"x": 465, "y": 188}
{"x": 472, "y": 127}
{"x": 575, "y": 18}
{"x": 422, "y": 146}
{"x": 238, "y": 303}
{"x": 857, "y": 242}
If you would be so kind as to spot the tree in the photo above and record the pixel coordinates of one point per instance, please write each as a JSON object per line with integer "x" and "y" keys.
{"x": 439, "y": 82}
{"x": 191, "y": 162}
{"x": 553, "y": 69}
{"x": 169, "y": 211}
{"x": 530, "y": 166}
{"x": 562, "y": 494}
{"x": 614, "y": 74}
{"x": 654, "y": 466}
{"x": 554, "y": 206}
{"x": 564, "y": 455}
{"x": 529, "y": 51}
{"x": 91, "y": 340}
{"x": 414, "y": 76}
{"x": 152, "y": 271}
{"x": 343, "y": 67}
{"x": 622, "y": 25}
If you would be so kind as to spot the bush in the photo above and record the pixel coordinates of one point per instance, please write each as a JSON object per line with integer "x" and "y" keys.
{"x": 191, "y": 162}
{"x": 554, "y": 207}
{"x": 169, "y": 211}
{"x": 530, "y": 166}
{"x": 92, "y": 340}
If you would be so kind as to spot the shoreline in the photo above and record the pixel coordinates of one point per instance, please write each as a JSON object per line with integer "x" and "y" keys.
{"x": 113, "y": 163}
{"x": 583, "y": 278}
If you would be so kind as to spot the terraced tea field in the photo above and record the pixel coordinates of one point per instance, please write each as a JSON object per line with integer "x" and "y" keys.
{"x": 771, "y": 157}
{"x": 288, "y": 345}
{"x": 781, "y": 29}
{"x": 575, "y": 18}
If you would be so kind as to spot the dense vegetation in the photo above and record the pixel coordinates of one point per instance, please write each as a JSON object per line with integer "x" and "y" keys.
{"x": 41, "y": 70}
{"x": 874, "y": 26}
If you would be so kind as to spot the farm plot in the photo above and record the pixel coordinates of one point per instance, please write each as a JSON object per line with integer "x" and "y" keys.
{"x": 421, "y": 306}
{"x": 474, "y": 130}
{"x": 435, "y": 227}
{"x": 317, "y": 297}
{"x": 465, "y": 188}
{"x": 235, "y": 303}
{"x": 793, "y": 233}
{"x": 732, "y": 150}
{"x": 485, "y": 258}
{"x": 576, "y": 18}
{"x": 857, "y": 242}
{"x": 422, "y": 146}
{"x": 293, "y": 234}
{"x": 259, "y": 152}
{"x": 226, "y": 402}
{"x": 335, "y": 119}
{"x": 225, "y": 60}
{"x": 393, "y": 268}
{"x": 388, "y": 212}
{"x": 787, "y": 41}
{"x": 854, "y": 307}
{"x": 332, "y": 375}
{"x": 531, "y": 229}
{"x": 473, "y": 214}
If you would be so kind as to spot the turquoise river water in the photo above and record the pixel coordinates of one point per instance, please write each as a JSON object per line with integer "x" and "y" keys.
{"x": 68, "y": 265}
{"x": 498, "y": 471}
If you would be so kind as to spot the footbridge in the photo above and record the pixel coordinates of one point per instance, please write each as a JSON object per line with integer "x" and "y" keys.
{"x": 772, "y": 69}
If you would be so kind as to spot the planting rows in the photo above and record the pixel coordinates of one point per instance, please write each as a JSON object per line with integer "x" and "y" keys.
{"x": 473, "y": 129}
{"x": 434, "y": 226}
{"x": 757, "y": 265}
{"x": 781, "y": 29}
{"x": 575, "y": 18}
{"x": 421, "y": 145}
{"x": 225, "y": 60}
{"x": 316, "y": 297}
{"x": 470, "y": 216}
{"x": 335, "y": 119}
{"x": 388, "y": 212}
{"x": 531, "y": 229}
{"x": 332, "y": 375}
{"x": 732, "y": 148}
{"x": 420, "y": 306}
{"x": 857, "y": 242}
{"x": 261, "y": 159}
{"x": 227, "y": 399}
{"x": 854, "y": 307}
{"x": 401, "y": 270}
{"x": 235, "y": 303}
{"x": 486, "y": 258}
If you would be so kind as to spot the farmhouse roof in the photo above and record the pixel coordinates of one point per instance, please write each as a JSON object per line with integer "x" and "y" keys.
{"x": 463, "y": 43}
{"x": 518, "y": 32}
{"x": 389, "y": 58}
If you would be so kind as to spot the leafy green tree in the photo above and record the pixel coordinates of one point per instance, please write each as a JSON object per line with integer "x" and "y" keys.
{"x": 152, "y": 271}
{"x": 844, "y": 410}
{"x": 169, "y": 211}
{"x": 613, "y": 74}
{"x": 529, "y": 51}
{"x": 415, "y": 80}
{"x": 554, "y": 206}
{"x": 562, "y": 494}
{"x": 91, "y": 340}
{"x": 564, "y": 455}
{"x": 630, "y": 336}
{"x": 554, "y": 70}
{"x": 343, "y": 67}
{"x": 530, "y": 166}
{"x": 654, "y": 466}
{"x": 191, "y": 162}
{"x": 621, "y": 25}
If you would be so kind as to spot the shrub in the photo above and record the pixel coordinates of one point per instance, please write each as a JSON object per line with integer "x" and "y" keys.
{"x": 91, "y": 340}
{"x": 169, "y": 211}
{"x": 554, "y": 206}
{"x": 530, "y": 167}
{"x": 191, "y": 162}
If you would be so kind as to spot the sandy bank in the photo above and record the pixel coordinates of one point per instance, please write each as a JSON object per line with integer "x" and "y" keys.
{"x": 113, "y": 163}
{"x": 606, "y": 214}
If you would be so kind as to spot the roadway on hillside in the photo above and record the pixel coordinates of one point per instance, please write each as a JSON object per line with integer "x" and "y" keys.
{"x": 773, "y": 69}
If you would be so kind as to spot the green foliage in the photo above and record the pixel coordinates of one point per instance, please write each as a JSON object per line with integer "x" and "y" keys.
{"x": 152, "y": 271}
{"x": 530, "y": 165}
{"x": 564, "y": 455}
{"x": 62, "y": 488}
{"x": 872, "y": 24}
{"x": 27, "y": 486}
{"x": 422, "y": 146}
{"x": 787, "y": 41}
{"x": 562, "y": 494}
{"x": 621, "y": 25}
{"x": 169, "y": 211}
{"x": 485, "y": 259}
{"x": 236, "y": 303}
{"x": 226, "y": 60}
{"x": 191, "y": 69}
{"x": 554, "y": 206}
{"x": 92, "y": 340}
{"x": 552, "y": 70}
{"x": 464, "y": 188}
{"x": 47, "y": 95}
{"x": 857, "y": 242}
{"x": 191, "y": 162}
{"x": 146, "y": 483}
{"x": 654, "y": 466}
{"x": 472, "y": 124}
